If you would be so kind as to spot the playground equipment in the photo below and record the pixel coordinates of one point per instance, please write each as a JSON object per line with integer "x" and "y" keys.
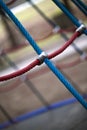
{"x": 43, "y": 57}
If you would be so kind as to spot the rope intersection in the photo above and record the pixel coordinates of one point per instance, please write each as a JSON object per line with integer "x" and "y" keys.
{"x": 43, "y": 57}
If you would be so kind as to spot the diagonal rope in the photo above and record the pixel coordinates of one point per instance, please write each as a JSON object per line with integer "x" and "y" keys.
{"x": 69, "y": 14}
{"x": 6, "y": 114}
{"x": 80, "y": 6}
{"x": 26, "y": 81}
{"x": 10, "y": 32}
{"x": 52, "y": 67}
{"x": 55, "y": 26}
{"x": 38, "y": 61}
{"x": 42, "y": 72}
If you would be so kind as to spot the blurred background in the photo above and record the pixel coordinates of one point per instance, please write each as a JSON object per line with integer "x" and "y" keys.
{"x": 24, "y": 101}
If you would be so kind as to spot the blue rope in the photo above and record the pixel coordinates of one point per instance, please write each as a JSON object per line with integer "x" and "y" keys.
{"x": 21, "y": 28}
{"x": 54, "y": 25}
{"x": 67, "y": 84}
{"x": 47, "y": 61}
{"x": 39, "y": 111}
{"x": 80, "y": 6}
{"x": 67, "y": 12}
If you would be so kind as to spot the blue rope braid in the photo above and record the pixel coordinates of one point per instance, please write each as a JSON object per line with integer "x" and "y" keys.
{"x": 80, "y": 6}
{"x": 47, "y": 61}
{"x": 70, "y": 15}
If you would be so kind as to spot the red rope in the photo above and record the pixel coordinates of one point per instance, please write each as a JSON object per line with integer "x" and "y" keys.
{"x": 39, "y": 73}
{"x": 10, "y": 87}
{"x": 37, "y": 40}
{"x": 21, "y": 71}
{"x": 69, "y": 42}
{"x": 60, "y": 66}
{"x": 37, "y": 62}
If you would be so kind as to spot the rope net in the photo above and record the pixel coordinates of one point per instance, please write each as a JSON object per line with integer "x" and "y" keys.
{"x": 44, "y": 57}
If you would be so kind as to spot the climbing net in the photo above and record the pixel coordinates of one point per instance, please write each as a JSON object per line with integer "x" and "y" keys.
{"x": 43, "y": 57}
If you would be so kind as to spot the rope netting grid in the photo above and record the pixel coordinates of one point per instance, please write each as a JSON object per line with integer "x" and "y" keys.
{"x": 56, "y": 29}
{"x": 43, "y": 55}
{"x": 38, "y": 73}
{"x": 77, "y": 61}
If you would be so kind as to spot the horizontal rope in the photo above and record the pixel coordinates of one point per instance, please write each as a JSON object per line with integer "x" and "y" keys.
{"x": 40, "y": 111}
{"x": 22, "y": 45}
{"x": 51, "y": 66}
{"x": 56, "y": 27}
{"x": 37, "y": 62}
{"x": 44, "y": 70}
{"x": 21, "y": 71}
{"x": 38, "y": 73}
